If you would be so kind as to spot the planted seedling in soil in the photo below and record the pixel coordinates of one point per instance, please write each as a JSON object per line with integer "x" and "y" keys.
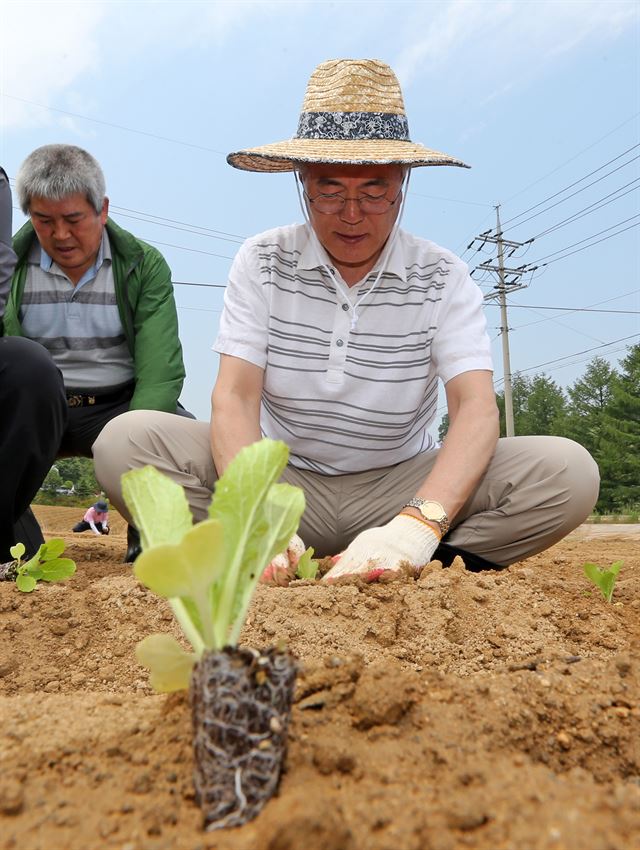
{"x": 46, "y": 565}
{"x": 603, "y": 579}
{"x": 307, "y": 567}
{"x": 240, "y": 698}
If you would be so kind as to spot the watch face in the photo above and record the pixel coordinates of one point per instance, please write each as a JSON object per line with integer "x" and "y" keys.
{"x": 432, "y": 511}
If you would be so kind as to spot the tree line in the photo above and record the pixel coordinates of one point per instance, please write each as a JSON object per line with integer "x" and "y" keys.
{"x": 70, "y": 481}
{"x": 601, "y": 410}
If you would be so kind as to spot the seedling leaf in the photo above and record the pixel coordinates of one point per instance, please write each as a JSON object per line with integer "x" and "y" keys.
{"x": 17, "y": 551}
{"x": 282, "y": 508}
{"x": 169, "y": 664}
{"x": 603, "y": 579}
{"x": 44, "y": 566}
{"x": 159, "y": 507}
{"x": 52, "y": 549}
{"x": 25, "y": 583}
{"x": 57, "y": 570}
{"x": 187, "y": 569}
{"x": 307, "y": 568}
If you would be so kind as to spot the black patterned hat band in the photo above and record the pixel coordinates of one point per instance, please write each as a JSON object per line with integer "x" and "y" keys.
{"x": 353, "y": 125}
{"x": 353, "y": 113}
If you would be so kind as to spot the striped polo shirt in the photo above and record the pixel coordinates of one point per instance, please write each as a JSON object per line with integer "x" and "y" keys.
{"x": 79, "y": 325}
{"x": 347, "y": 396}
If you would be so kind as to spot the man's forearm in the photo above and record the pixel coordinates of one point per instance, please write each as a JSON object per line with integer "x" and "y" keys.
{"x": 235, "y": 423}
{"x": 464, "y": 456}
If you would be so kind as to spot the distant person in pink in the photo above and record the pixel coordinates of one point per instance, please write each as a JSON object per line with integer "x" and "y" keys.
{"x": 96, "y": 519}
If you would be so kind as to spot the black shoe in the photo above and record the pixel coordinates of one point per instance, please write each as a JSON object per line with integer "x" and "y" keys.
{"x": 133, "y": 545}
{"x": 474, "y": 563}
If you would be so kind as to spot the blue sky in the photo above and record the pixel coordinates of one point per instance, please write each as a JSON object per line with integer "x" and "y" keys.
{"x": 533, "y": 95}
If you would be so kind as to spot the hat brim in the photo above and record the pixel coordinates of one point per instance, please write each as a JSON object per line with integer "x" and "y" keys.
{"x": 286, "y": 156}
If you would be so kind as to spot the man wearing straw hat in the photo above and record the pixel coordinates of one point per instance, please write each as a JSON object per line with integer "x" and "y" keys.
{"x": 333, "y": 338}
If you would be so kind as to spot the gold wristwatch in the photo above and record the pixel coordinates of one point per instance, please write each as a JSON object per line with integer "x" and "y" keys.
{"x": 433, "y": 511}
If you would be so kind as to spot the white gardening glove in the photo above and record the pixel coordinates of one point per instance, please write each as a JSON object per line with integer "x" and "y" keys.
{"x": 406, "y": 539}
{"x": 282, "y": 568}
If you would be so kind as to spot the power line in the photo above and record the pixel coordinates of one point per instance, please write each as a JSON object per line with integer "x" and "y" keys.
{"x": 498, "y": 381}
{"x": 199, "y": 309}
{"x": 573, "y": 194}
{"x": 575, "y": 183}
{"x": 116, "y": 126}
{"x": 450, "y": 200}
{"x": 596, "y": 205}
{"x": 548, "y": 174}
{"x": 574, "y": 157}
{"x": 184, "y": 248}
{"x": 591, "y": 244}
{"x": 206, "y": 285}
{"x": 183, "y": 229}
{"x": 151, "y": 218}
{"x": 576, "y": 354}
{"x": 569, "y": 309}
{"x": 183, "y": 225}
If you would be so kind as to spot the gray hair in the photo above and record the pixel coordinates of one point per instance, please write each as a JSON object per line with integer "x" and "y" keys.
{"x": 57, "y": 171}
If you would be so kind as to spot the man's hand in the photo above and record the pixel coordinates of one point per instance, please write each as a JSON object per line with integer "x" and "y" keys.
{"x": 404, "y": 540}
{"x": 283, "y": 567}
{"x": 105, "y": 529}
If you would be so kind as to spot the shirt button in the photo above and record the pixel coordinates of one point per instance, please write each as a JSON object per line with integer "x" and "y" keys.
{"x": 339, "y": 343}
{"x": 345, "y": 307}
{"x": 333, "y": 271}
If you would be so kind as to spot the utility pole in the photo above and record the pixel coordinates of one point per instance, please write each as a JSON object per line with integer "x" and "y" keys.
{"x": 508, "y": 281}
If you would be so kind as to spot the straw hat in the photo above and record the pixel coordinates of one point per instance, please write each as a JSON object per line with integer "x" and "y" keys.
{"x": 353, "y": 113}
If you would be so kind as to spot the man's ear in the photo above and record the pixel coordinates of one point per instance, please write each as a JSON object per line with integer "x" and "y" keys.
{"x": 104, "y": 212}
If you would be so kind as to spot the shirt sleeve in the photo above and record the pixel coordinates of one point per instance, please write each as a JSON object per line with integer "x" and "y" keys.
{"x": 7, "y": 255}
{"x": 244, "y": 323}
{"x": 461, "y": 343}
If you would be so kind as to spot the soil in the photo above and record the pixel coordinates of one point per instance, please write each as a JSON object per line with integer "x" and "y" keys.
{"x": 493, "y": 711}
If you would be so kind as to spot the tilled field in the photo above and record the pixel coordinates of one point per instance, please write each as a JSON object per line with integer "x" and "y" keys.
{"x": 489, "y": 711}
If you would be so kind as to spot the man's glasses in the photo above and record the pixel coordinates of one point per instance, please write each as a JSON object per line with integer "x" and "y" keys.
{"x": 369, "y": 204}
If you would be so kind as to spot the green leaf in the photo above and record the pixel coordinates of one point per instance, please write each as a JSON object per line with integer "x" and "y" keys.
{"x": 57, "y": 570}
{"x": 283, "y": 507}
{"x": 17, "y": 551}
{"x": 239, "y": 504}
{"x": 307, "y": 568}
{"x": 169, "y": 664}
{"x": 603, "y": 579}
{"x": 31, "y": 568}
{"x": 158, "y": 505}
{"x": 187, "y": 569}
{"x": 209, "y": 572}
{"x": 25, "y": 583}
{"x": 51, "y": 549}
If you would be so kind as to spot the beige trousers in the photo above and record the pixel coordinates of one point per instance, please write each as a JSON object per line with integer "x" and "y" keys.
{"x": 535, "y": 491}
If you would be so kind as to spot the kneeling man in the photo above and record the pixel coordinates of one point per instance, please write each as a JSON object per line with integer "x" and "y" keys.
{"x": 333, "y": 338}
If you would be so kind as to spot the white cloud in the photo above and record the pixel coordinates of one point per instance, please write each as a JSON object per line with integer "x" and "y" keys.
{"x": 497, "y": 39}
{"x": 45, "y": 48}
{"x": 49, "y": 47}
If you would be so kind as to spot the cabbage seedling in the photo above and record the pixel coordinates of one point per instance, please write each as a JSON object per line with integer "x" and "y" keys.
{"x": 604, "y": 580}
{"x": 240, "y": 698}
{"x": 46, "y": 565}
{"x": 307, "y": 567}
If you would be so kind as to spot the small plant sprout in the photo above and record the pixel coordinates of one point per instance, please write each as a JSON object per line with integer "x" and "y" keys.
{"x": 603, "y": 579}
{"x": 46, "y": 565}
{"x": 240, "y": 698}
{"x": 307, "y": 567}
